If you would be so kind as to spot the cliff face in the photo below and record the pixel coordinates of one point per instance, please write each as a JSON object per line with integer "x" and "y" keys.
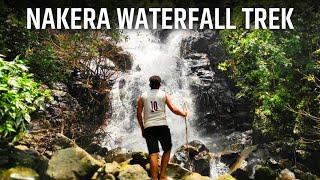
{"x": 216, "y": 105}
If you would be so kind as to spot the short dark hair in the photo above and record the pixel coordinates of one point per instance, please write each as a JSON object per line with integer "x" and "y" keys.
{"x": 155, "y": 82}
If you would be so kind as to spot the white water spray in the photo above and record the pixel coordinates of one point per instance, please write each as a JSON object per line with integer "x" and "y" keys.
{"x": 151, "y": 57}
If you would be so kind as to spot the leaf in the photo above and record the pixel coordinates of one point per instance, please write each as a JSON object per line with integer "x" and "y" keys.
{"x": 27, "y": 117}
{"x": 13, "y": 82}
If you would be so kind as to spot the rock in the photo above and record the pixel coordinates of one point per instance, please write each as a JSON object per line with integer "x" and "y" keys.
{"x": 177, "y": 172}
{"x": 273, "y": 164}
{"x": 200, "y": 44}
{"x": 226, "y": 176}
{"x": 59, "y": 86}
{"x": 117, "y": 155}
{"x": 286, "y": 175}
{"x": 201, "y": 163}
{"x": 112, "y": 168}
{"x": 58, "y": 93}
{"x": 140, "y": 158}
{"x": 62, "y": 142}
{"x": 240, "y": 174}
{"x": 109, "y": 177}
{"x": 257, "y": 158}
{"x": 97, "y": 149}
{"x": 229, "y": 157}
{"x": 198, "y": 145}
{"x": 304, "y": 175}
{"x": 264, "y": 173}
{"x": 123, "y": 60}
{"x": 313, "y": 162}
{"x": 20, "y": 173}
{"x": 217, "y": 52}
{"x": 216, "y": 105}
{"x": 308, "y": 176}
{"x": 195, "y": 176}
{"x": 72, "y": 163}
{"x": 133, "y": 172}
{"x": 239, "y": 140}
{"x": 23, "y": 156}
{"x": 4, "y": 158}
{"x": 195, "y": 156}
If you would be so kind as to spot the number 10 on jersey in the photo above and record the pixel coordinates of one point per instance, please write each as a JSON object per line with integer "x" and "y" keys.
{"x": 154, "y": 106}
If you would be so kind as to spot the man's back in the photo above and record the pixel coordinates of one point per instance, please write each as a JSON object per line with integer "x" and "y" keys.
{"x": 154, "y": 126}
{"x": 154, "y": 102}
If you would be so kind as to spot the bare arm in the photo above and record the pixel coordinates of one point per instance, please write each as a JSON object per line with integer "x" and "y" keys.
{"x": 139, "y": 114}
{"x": 173, "y": 108}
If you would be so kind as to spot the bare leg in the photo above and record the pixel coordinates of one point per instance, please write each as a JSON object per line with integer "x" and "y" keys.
{"x": 154, "y": 166}
{"x": 164, "y": 163}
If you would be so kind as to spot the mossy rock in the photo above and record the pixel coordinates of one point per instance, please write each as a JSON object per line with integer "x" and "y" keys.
{"x": 195, "y": 176}
{"x": 226, "y": 176}
{"x": 264, "y": 173}
{"x": 72, "y": 163}
{"x": 20, "y": 173}
{"x": 133, "y": 172}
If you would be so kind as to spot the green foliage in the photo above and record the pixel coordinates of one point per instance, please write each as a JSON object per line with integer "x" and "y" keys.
{"x": 262, "y": 69}
{"x": 49, "y": 56}
{"x": 278, "y": 71}
{"x": 19, "y": 96}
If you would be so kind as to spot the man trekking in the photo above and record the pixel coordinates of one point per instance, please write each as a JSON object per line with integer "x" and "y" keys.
{"x": 154, "y": 125}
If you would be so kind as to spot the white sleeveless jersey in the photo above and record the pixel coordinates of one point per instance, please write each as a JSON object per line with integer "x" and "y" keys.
{"x": 154, "y": 103}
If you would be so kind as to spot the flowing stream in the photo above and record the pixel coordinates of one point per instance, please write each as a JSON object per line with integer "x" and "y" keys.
{"x": 151, "y": 57}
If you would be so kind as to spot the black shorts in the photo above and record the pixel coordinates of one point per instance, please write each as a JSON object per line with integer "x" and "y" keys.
{"x": 155, "y": 134}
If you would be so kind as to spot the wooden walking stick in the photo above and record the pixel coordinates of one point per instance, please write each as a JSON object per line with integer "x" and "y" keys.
{"x": 185, "y": 121}
{"x": 187, "y": 142}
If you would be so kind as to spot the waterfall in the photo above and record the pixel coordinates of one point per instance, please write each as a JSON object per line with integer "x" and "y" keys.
{"x": 151, "y": 57}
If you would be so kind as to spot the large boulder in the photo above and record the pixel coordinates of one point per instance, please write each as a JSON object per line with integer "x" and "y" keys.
{"x": 286, "y": 174}
{"x": 194, "y": 156}
{"x": 133, "y": 172}
{"x": 72, "y": 163}
{"x": 20, "y": 173}
{"x": 140, "y": 158}
{"x": 175, "y": 171}
{"x": 23, "y": 156}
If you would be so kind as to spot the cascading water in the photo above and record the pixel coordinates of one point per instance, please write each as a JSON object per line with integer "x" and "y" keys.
{"x": 151, "y": 57}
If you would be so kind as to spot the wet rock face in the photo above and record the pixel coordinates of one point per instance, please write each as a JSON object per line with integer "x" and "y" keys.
{"x": 63, "y": 108}
{"x": 195, "y": 156}
{"x": 216, "y": 105}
